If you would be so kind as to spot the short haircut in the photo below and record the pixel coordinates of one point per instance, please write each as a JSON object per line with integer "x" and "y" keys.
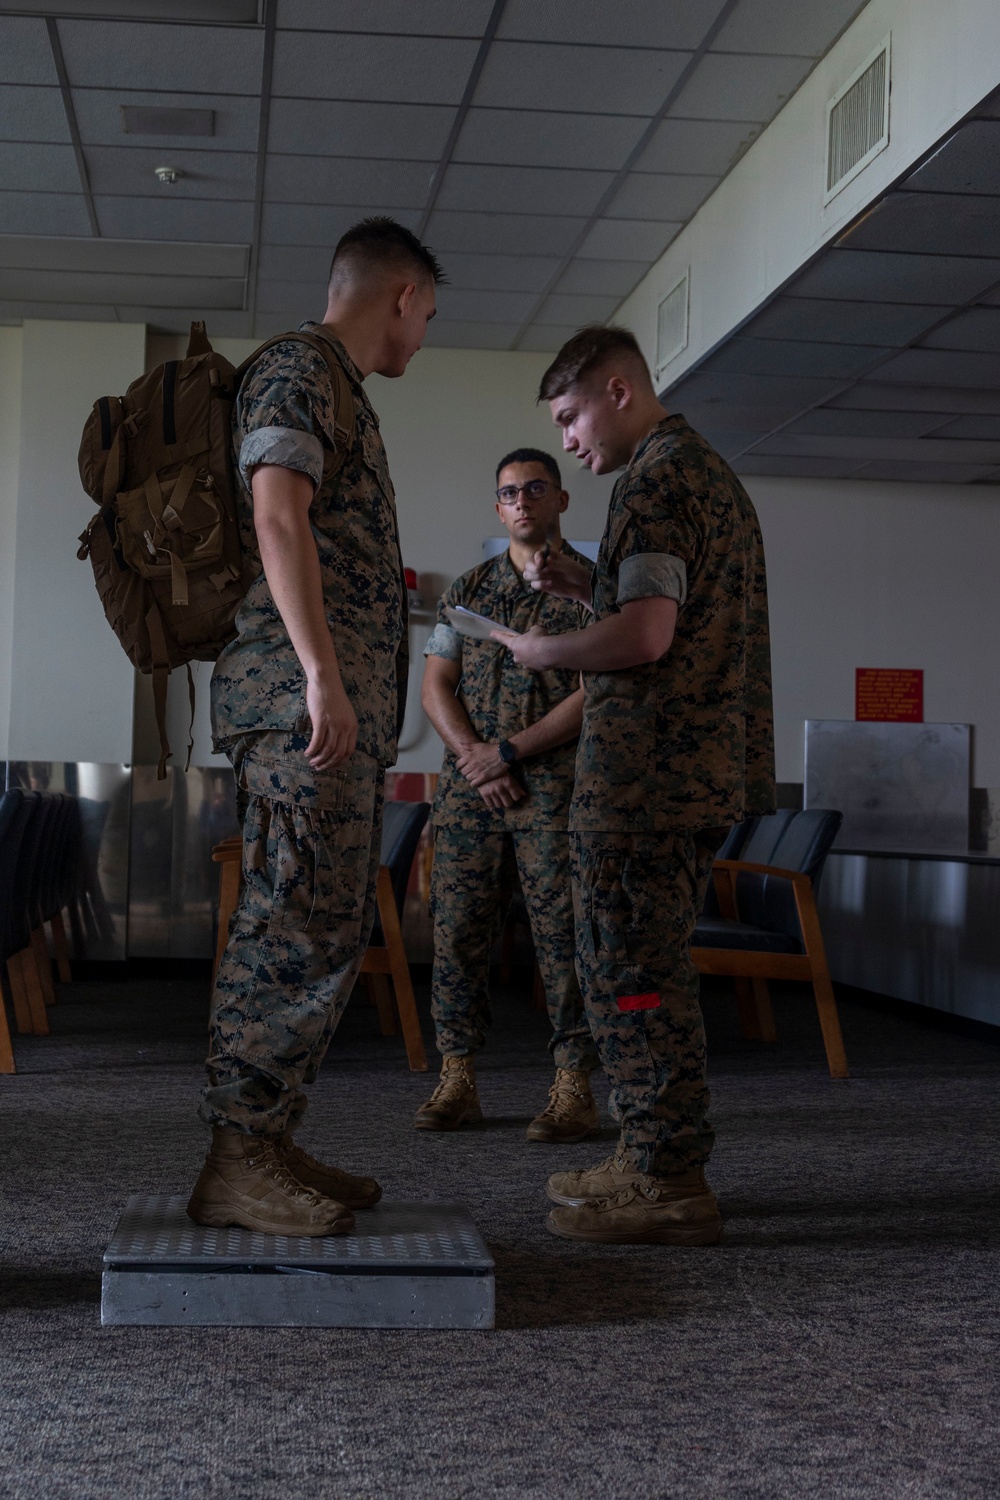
{"x": 583, "y": 354}
{"x": 531, "y": 456}
{"x": 378, "y": 245}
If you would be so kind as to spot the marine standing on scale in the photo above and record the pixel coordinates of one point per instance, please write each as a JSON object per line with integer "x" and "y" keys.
{"x": 307, "y": 703}
{"x": 501, "y": 806}
{"x": 676, "y": 745}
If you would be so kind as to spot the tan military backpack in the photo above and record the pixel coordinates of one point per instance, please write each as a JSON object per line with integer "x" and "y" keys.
{"x": 165, "y": 545}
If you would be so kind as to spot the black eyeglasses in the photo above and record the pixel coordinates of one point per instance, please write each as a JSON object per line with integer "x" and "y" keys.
{"x": 534, "y": 490}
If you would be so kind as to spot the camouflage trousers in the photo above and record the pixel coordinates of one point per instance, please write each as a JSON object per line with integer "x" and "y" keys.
{"x": 637, "y": 899}
{"x": 311, "y": 846}
{"x": 471, "y": 887}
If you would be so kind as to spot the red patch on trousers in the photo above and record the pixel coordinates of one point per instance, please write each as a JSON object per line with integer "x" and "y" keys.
{"x": 638, "y": 1002}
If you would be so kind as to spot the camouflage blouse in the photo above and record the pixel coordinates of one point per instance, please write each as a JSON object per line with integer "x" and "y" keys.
{"x": 687, "y": 741}
{"x": 502, "y": 698}
{"x": 284, "y": 415}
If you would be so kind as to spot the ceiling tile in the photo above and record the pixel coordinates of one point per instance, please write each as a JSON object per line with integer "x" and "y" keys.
{"x": 114, "y": 54}
{"x": 967, "y": 163}
{"x": 971, "y": 427}
{"x": 221, "y": 324}
{"x": 104, "y": 287}
{"x": 37, "y": 168}
{"x": 540, "y": 339}
{"x": 806, "y": 28}
{"x": 44, "y": 213}
{"x": 749, "y": 356}
{"x": 397, "y": 69}
{"x": 825, "y": 321}
{"x": 740, "y": 88}
{"x": 324, "y": 127}
{"x": 543, "y": 234}
{"x": 989, "y": 108}
{"x": 577, "y": 308}
{"x": 870, "y": 396}
{"x": 603, "y": 277}
{"x": 521, "y": 189}
{"x": 430, "y": 17}
{"x": 540, "y": 138}
{"x": 823, "y": 421}
{"x": 729, "y": 444}
{"x": 314, "y": 224}
{"x": 457, "y": 305}
{"x": 659, "y": 195}
{"x": 507, "y": 273}
{"x": 32, "y": 114}
{"x": 640, "y": 23}
{"x": 25, "y": 54}
{"x": 600, "y": 80}
{"x": 72, "y": 312}
{"x": 99, "y": 117}
{"x": 932, "y": 223}
{"x": 309, "y": 263}
{"x": 870, "y": 449}
{"x": 795, "y": 468}
{"x": 298, "y": 299}
{"x": 176, "y": 219}
{"x": 303, "y": 179}
{"x": 977, "y": 328}
{"x": 122, "y": 170}
{"x": 151, "y": 258}
{"x": 943, "y": 367}
{"x": 774, "y": 398}
{"x": 470, "y": 335}
{"x": 945, "y": 473}
{"x": 703, "y": 146}
{"x": 878, "y": 276}
{"x": 628, "y": 239}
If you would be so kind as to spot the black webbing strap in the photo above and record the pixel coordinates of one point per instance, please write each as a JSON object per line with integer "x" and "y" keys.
{"x": 169, "y": 388}
{"x": 161, "y": 672}
{"x": 187, "y": 763}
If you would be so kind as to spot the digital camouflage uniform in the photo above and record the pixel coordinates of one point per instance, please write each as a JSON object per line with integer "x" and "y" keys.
{"x": 670, "y": 755}
{"x": 477, "y": 849}
{"x": 311, "y": 839}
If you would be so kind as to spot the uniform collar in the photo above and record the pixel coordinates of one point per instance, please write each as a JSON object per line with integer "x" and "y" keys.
{"x": 319, "y": 330}
{"x": 670, "y": 424}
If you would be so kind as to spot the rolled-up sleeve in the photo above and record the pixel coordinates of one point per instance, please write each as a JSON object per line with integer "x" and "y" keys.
{"x": 649, "y": 575}
{"x": 444, "y": 641}
{"x": 288, "y": 447}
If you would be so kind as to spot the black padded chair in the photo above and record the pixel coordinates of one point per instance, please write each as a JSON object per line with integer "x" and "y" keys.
{"x": 14, "y": 814}
{"x": 765, "y": 925}
{"x": 18, "y": 894}
{"x": 385, "y": 963}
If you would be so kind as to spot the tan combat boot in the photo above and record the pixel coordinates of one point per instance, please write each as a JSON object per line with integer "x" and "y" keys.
{"x": 454, "y": 1102}
{"x": 676, "y": 1210}
{"x": 330, "y": 1182}
{"x": 571, "y": 1189}
{"x": 571, "y": 1114}
{"x": 246, "y": 1182}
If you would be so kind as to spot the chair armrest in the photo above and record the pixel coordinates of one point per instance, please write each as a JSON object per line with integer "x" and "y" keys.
{"x": 741, "y": 867}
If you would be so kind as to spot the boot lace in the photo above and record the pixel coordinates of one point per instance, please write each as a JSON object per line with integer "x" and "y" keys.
{"x": 276, "y": 1168}
{"x": 453, "y": 1084}
{"x": 565, "y": 1098}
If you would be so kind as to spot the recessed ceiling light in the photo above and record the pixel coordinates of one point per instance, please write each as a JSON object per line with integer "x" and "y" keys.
{"x": 156, "y": 119}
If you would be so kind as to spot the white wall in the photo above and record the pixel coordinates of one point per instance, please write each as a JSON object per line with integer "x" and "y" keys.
{"x": 767, "y": 218}
{"x": 882, "y": 575}
{"x": 11, "y": 340}
{"x": 71, "y": 683}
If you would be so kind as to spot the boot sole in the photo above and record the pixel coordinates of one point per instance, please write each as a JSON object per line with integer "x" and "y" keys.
{"x": 578, "y": 1202}
{"x": 704, "y": 1234}
{"x": 473, "y": 1117}
{"x": 550, "y": 1138}
{"x": 219, "y": 1217}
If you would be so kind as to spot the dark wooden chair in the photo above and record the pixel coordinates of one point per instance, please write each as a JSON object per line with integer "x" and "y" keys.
{"x": 761, "y": 921}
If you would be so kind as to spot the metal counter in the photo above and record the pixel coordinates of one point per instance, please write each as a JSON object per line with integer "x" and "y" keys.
{"x": 923, "y": 927}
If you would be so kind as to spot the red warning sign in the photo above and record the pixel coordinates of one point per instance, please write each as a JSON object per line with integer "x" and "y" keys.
{"x": 893, "y": 695}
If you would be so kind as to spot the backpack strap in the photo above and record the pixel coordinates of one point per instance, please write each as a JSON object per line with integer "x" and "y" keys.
{"x": 344, "y": 406}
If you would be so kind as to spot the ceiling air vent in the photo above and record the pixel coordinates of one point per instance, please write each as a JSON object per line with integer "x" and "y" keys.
{"x": 857, "y": 121}
{"x": 672, "y": 325}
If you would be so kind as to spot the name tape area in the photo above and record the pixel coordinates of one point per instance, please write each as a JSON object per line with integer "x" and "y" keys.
{"x": 638, "y": 1002}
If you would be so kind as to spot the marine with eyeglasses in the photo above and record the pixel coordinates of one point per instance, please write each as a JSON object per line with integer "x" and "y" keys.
{"x": 501, "y": 809}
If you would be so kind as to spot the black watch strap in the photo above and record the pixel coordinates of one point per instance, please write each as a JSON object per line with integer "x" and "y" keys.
{"x": 507, "y": 752}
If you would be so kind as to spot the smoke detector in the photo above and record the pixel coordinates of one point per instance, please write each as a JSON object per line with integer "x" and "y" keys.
{"x": 167, "y": 175}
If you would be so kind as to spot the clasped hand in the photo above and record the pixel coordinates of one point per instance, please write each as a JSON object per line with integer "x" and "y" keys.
{"x": 482, "y": 768}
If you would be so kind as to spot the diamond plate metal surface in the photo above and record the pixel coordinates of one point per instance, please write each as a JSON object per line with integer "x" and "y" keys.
{"x": 155, "y": 1231}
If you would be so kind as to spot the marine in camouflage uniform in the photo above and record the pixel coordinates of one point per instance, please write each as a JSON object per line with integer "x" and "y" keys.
{"x": 476, "y": 847}
{"x": 311, "y": 838}
{"x": 670, "y": 755}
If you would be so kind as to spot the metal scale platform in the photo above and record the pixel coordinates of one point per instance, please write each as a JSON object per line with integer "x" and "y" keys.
{"x": 407, "y": 1265}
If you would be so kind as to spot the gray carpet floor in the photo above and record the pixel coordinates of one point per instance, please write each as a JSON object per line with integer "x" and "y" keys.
{"x": 842, "y": 1342}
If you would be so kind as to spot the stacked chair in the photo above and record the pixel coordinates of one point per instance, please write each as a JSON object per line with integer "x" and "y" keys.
{"x": 39, "y": 878}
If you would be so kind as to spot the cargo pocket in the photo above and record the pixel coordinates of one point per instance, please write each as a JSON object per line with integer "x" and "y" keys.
{"x": 604, "y": 909}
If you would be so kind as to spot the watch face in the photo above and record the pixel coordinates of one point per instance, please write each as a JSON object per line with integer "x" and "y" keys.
{"x": 507, "y": 752}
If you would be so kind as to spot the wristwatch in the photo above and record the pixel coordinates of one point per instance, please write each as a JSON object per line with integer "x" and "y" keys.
{"x": 507, "y": 753}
